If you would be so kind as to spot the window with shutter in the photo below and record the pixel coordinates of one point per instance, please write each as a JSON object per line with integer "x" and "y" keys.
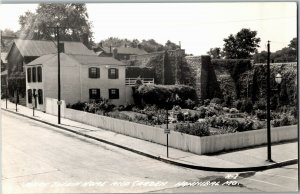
{"x": 94, "y": 93}
{"x": 113, "y": 73}
{"x": 113, "y": 93}
{"x": 94, "y": 72}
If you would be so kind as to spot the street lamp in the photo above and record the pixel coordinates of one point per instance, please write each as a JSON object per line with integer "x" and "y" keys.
{"x": 278, "y": 78}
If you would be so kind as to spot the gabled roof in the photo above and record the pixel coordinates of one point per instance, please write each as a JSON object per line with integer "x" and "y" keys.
{"x": 43, "y": 47}
{"x": 3, "y": 57}
{"x": 125, "y": 50}
{"x": 86, "y": 60}
{"x": 41, "y": 59}
{"x": 82, "y": 59}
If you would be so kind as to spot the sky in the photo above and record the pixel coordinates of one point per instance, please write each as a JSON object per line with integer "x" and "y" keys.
{"x": 198, "y": 26}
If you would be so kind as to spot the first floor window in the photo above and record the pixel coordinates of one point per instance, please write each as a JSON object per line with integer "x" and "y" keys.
{"x": 29, "y": 96}
{"x": 94, "y": 93}
{"x": 113, "y": 93}
{"x": 40, "y": 96}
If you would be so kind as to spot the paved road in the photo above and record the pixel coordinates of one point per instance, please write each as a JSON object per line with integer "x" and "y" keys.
{"x": 40, "y": 158}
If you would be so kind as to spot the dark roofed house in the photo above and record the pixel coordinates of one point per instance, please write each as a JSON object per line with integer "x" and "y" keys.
{"x": 119, "y": 53}
{"x": 24, "y": 51}
{"x": 3, "y": 72}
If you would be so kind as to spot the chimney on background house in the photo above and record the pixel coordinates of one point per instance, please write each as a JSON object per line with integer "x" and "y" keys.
{"x": 85, "y": 40}
{"x": 115, "y": 53}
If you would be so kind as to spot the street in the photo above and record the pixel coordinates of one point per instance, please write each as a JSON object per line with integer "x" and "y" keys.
{"x": 44, "y": 159}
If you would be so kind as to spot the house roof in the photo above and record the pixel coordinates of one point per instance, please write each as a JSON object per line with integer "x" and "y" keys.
{"x": 3, "y": 57}
{"x": 43, "y": 47}
{"x": 125, "y": 50}
{"x": 82, "y": 59}
{"x": 86, "y": 60}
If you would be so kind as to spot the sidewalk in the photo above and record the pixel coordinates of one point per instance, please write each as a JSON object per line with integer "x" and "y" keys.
{"x": 242, "y": 160}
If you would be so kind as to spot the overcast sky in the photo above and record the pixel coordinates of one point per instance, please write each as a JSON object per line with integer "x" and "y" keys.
{"x": 199, "y": 26}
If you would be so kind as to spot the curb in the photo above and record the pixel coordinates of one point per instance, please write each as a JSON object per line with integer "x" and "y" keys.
{"x": 166, "y": 160}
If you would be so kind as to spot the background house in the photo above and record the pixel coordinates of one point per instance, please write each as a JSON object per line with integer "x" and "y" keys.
{"x": 24, "y": 51}
{"x": 3, "y": 73}
{"x": 83, "y": 78}
{"x": 119, "y": 53}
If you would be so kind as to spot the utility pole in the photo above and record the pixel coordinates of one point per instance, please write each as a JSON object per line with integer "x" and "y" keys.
{"x": 268, "y": 106}
{"x": 58, "y": 74}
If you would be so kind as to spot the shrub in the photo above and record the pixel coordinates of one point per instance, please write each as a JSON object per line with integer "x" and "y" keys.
{"x": 260, "y": 104}
{"x": 246, "y": 106}
{"x": 197, "y": 129}
{"x": 206, "y": 102}
{"x": 180, "y": 116}
{"x": 225, "y": 109}
{"x": 238, "y": 104}
{"x": 165, "y": 95}
{"x": 78, "y": 106}
{"x": 190, "y": 103}
{"x": 216, "y": 101}
{"x": 202, "y": 112}
{"x": 233, "y": 110}
{"x": 261, "y": 115}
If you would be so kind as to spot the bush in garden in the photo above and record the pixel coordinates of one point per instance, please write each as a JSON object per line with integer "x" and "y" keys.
{"x": 164, "y": 95}
{"x": 238, "y": 104}
{"x": 190, "y": 103}
{"x": 197, "y": 129}
{"x": 180, "y": 116}
{"x": 261, "y": 115}
{"x": 216, "y": 101}
{"x": 294, "y": 112}
{"x": 78, "y": 106}
{"x": 118, "y": 115}
{"x": 261, "y": 104}
{"x": 206, "y": 102}
{"x": 202, "y": 112}
{"x": 233, "y": 110}
{"x": 227, "y": 101}
{"x": 226, "y": 109}
{"x": 245, "y": 125}
{"x": 246, "y": 106}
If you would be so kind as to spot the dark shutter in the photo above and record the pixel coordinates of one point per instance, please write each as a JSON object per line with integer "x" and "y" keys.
{"x": 117, "y": 93}
{"x": 29, "y": 75}
{"x": 91, "y": 94}
{"x": 90, "y": 72}
{"x": 98, "y": 94}
{"x": 97, "y": 73}
{"x": 29, "y": 96}
{"x": 39, "y": 73}
{"x": 40, "y": 96}
{"x": 117, "y": 74}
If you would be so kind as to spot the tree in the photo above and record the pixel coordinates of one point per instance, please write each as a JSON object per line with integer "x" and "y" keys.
{"x": 260, "y": 57}
{"x": 151, "y": 46}
{"x": 72, "y": 17}
{"x": 242, "y": 45}
{"x": 215, "y": 53}
{"x": 171, "y": 46}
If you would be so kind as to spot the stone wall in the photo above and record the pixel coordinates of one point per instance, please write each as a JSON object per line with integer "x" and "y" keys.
{"x": 166, "y": 64}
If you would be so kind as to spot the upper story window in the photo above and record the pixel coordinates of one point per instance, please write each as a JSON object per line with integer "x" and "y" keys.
{"x": 29, "y": 75}
{"x": 113, "y": 73}
{"x": 39, "y": 74}
{"x": 113, "y": 93}
{"x": 94, "y": 72}
{"x": 94, "y": 93}
{"x": 34, "y": 74}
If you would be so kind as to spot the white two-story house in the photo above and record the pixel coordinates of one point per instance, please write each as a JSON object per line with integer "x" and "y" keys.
{"x": 83, "y": 78}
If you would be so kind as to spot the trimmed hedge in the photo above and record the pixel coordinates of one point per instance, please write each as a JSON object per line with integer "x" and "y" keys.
{"x": 164, "y": 96}
{"x": 143, "y": 72}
